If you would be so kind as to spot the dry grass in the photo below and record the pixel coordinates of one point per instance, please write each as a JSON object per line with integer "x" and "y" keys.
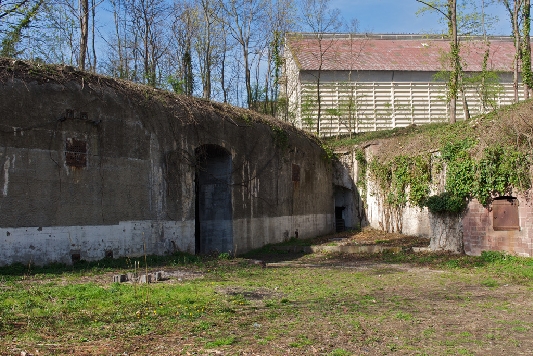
{"x": 508, "y": 126}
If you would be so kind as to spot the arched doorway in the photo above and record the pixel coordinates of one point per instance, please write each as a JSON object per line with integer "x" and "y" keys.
{"x": 343, "y": 208}
{"x": 213, "y": 214}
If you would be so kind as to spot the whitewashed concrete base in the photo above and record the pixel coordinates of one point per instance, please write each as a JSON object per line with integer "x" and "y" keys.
{"x": 43, "y": 245}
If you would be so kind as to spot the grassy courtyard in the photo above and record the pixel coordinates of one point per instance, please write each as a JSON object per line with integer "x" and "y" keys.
{"x": 300, "y": 304}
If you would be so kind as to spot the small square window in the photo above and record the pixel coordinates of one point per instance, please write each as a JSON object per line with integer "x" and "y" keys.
{"x": 505, "y": 214}
{"x": 76, "y": 153}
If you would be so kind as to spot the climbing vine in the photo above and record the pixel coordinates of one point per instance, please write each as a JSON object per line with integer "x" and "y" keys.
{"x": 280, "y": 137}
{"x": 362, "y": 166}
{"x": 405, "y": 179}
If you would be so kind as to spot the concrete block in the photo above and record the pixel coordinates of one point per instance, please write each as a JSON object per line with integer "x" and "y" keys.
{"x": 133, "y": 277}
{"x": 145, "y": 278}
{"x": 120, "y": 278}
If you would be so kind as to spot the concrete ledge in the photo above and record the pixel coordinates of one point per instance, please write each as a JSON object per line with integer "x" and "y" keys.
{"x": 422, "y": 249}
{"x": 340, "y": 249}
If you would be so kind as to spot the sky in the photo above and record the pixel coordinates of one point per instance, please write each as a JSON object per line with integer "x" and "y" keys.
{"x": 399, "y": 17}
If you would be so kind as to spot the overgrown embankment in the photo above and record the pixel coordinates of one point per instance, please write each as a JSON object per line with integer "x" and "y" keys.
{"x": 482, "y": 158}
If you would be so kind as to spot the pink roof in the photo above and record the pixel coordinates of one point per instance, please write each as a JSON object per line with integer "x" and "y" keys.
{"x": 399, "y": 53}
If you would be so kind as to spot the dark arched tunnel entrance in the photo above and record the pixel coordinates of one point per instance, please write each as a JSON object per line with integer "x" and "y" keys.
{"x": 213, "y": 209}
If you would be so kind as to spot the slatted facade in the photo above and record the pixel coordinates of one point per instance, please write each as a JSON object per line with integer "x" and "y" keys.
{"x": 382, "y": 97}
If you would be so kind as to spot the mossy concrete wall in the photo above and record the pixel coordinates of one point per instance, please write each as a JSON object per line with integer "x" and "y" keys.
{"x": 135, "y": 192}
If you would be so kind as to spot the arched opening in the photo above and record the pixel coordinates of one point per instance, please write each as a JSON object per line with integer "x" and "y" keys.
{"x": 213, "y": 214}
{"x": 343, "y": 209}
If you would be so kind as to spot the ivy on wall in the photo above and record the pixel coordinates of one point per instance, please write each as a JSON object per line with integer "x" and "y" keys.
{"x": 408, "y": 179}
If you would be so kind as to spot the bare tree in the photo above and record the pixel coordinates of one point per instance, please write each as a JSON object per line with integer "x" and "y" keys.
{"x": 242, "y": 18}
{"x": 321, "y": 20}
{"x": 148, "y": 18}
{"x": 184, "y": 31}
{"x": 208, "y": 42}
{"x": 84, "y": 32}
{"x": 520, "y": 16}
{"x": 525, "y": 54}
{"x": 119, "y": 66}
{"x": 514, "y": 9}
{"x": 449, "y": 10}
{"x": 280, "y": 19}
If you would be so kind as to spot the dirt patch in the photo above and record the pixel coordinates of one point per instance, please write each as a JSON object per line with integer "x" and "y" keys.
{"x": 369, "y": 236}
{"x": 250, "y": 294}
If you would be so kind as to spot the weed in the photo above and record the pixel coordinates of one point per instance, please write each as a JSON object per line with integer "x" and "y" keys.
{"x": 301, "y": 341}
{"x": 224, "y": 341}
{"x": 339, "y": 352}
{"x": 465, "y": 352}
{"x": 403, "y": 316}
{"x": 489, "y": 283}
{"x": 490, "y": 336}
{"x": 428, "y": 332}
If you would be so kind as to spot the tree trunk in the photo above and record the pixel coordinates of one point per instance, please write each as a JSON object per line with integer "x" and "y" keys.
{"x": 247, "y": 77}
{"x": 223, "y": 73}
{"x": 456, "y": 64}
{"x": 527, "y": 77}
{"x": 84, "y": 32}
{"x": 93, "y": 34}
{"x": 517, "y": 43}
{"x": 466, "y": 110}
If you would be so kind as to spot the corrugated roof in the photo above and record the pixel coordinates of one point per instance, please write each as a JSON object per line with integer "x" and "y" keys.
{"x": 395, "y": 52}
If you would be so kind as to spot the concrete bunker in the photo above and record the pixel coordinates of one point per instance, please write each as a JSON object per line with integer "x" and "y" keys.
{"x": 213, "y": 205}
{"x": 96, "y": 167}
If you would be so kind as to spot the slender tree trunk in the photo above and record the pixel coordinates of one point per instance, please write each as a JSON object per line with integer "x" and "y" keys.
{"x": 116, "y": 16}
{"x": 205, "y": 52}
{"x": 466, "y": 110}
{"x": 456, "y": 64}
{"x": 84, "y": 32}
{"x": 93, "y": 34}
{"x": 247, "y": 77}
{"x": 517, "y": 42}
{"x": 527, "y": 77}
{"x": 223, "y": 74}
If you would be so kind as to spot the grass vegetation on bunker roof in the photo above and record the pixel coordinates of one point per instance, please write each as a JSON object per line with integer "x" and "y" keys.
{"x": 510, "y": 126}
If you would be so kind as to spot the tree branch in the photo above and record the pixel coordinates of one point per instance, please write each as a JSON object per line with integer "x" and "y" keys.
{"x": 434, "y": 8}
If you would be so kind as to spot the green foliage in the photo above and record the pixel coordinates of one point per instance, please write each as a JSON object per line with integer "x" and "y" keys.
{"x": 13, "y": 36}
{"x": 280, "y": 136}
{"x": 177, "y": 84}
{"x": 329, "y": 154}
{"x": 405, "y": 179}
{"x": 486, "y": 83}
{"x": 363, "y": 167}
{"x": 460, "y": 169}
{"x": 498, "y": 171}
{"x": 494, "y": 256}
{"x": 525, "y": 49}
{"x": 339, "y": 352}
{"x": 221, "y": 342}
{"x": 445, "y": 202}
{"x": 308, "y": 107}
{"x": 419, "y": 180}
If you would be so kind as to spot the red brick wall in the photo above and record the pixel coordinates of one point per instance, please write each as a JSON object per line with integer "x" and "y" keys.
{"x": 479, "y": 235}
